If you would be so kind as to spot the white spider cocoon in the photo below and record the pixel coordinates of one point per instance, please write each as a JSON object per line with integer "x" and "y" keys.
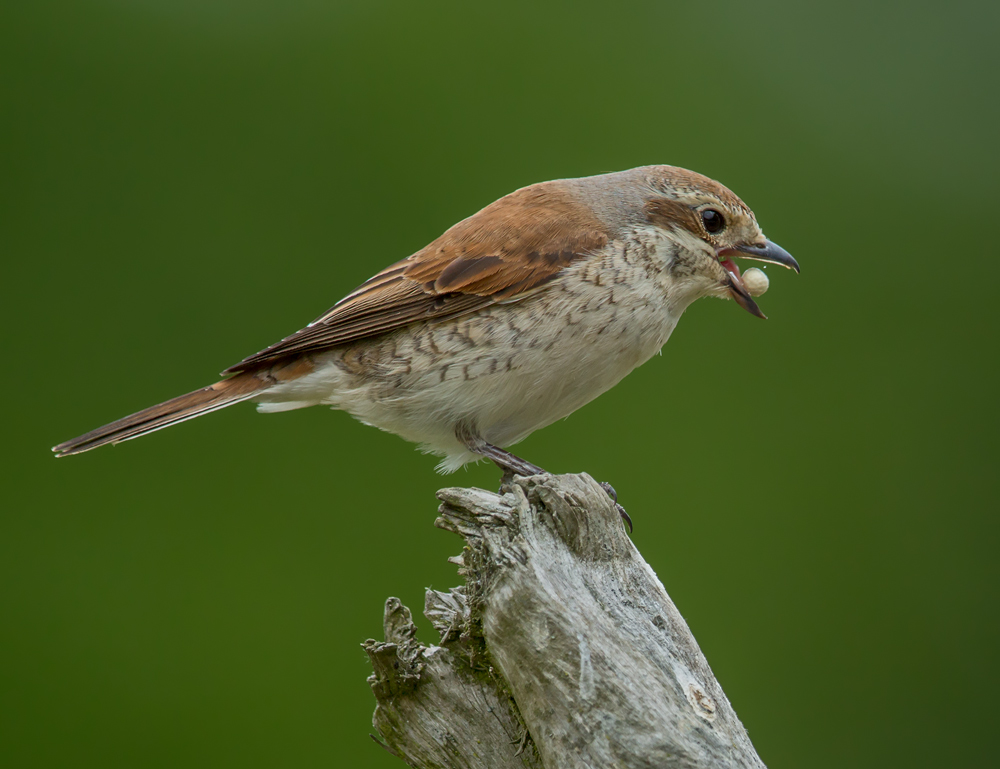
{"x": 756, "y": 281}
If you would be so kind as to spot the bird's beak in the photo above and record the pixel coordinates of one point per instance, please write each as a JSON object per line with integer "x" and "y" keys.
{"x": 739, "y": 292}
{"x": 770, "y": 252}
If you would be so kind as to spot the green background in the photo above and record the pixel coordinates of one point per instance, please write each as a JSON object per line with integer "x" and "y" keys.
{"x": 186, "y": 181}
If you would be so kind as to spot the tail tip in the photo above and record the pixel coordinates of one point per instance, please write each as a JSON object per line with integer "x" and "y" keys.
{"x": 69, "y": 448}
{"x": 62, "y": 450}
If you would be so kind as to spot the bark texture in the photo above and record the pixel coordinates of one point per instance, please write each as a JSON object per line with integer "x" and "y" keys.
{"x": 562, "y": 650}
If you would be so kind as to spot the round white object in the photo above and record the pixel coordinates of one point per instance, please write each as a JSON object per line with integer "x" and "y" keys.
{"x": 756, "y": 281}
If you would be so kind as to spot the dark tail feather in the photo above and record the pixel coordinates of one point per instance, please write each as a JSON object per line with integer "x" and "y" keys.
{"x": 194, "y": 404}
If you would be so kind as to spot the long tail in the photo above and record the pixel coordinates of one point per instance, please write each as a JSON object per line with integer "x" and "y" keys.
{"x": 194, "y": 404}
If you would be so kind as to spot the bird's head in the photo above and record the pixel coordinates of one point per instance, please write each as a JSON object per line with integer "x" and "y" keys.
{"x": 708, "y": 227}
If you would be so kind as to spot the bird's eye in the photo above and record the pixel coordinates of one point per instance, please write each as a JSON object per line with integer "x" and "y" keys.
{"x": 713, "y": 220}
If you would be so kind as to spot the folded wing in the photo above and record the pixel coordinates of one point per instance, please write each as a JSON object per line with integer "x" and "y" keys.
{"x": 510, "y": 248}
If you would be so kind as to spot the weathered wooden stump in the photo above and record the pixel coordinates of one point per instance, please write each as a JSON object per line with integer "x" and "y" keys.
{"x": 562, "y": 650}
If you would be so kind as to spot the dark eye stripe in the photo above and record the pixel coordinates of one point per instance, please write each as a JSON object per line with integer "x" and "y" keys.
{"x": 673, "y": 214}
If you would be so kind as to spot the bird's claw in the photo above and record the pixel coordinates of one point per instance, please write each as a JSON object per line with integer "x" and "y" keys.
{"x": 624, "y": 515}
{"x": 614, "y": 498}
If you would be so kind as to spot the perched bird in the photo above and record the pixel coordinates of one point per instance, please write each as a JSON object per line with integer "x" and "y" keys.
{"x": 512, "y": 319}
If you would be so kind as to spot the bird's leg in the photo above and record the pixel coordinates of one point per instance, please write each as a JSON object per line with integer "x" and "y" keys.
{"x": 614, "y": 498}
{"x": 513, "y": 465}
{"x": 509, "y": 463}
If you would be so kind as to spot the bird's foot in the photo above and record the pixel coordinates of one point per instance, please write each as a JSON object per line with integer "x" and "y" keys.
{"x": 614, "y": 498}
{"x": 513, "y": 465}
{"x": 513, "y": 469}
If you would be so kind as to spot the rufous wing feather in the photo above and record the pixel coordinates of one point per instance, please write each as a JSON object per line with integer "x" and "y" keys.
{"x": 510, "y": 248}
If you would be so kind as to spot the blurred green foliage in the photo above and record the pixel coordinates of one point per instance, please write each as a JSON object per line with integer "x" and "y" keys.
{"x": 186, "y": 181}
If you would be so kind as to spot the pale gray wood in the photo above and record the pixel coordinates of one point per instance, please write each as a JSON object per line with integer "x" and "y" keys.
{"x": 562, "y": 650}
{"x": 440, "y": 706}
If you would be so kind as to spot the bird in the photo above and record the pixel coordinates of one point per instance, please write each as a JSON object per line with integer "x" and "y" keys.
{"x": 512, "y": 319}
